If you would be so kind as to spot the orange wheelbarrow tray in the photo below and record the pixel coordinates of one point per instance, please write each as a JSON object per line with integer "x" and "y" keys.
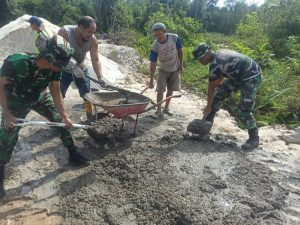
{"x": 123, "y": 104}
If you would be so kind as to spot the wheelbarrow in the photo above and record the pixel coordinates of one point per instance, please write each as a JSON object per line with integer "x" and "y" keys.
{"x": 122, "y": 104}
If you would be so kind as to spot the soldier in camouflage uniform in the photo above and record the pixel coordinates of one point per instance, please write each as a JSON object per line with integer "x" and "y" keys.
{"x": 243, "y": 74}
{"x": 23, "y": 79}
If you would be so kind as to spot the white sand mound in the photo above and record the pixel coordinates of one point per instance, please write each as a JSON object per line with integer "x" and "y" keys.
{"x": 123, "y": 55}
{"x": 291, "y": 136}
{"x": 18, "y": 37}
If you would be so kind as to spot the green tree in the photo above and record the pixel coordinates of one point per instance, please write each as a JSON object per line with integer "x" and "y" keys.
{"x": 251, "y": 31}
{"x": 4, "y": 12}
{"x": 187, "y": 28}
{"x": 121, "y": 16}
{"x": 282, "y": 20}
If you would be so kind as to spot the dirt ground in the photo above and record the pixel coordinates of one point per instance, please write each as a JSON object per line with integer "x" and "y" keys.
{"x": 155, "y": 177}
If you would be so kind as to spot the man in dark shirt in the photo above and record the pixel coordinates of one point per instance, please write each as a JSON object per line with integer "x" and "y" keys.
{"x": 243, "y": 74}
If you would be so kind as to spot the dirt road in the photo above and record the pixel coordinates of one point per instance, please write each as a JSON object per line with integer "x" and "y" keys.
{"x": 156, "y": 177}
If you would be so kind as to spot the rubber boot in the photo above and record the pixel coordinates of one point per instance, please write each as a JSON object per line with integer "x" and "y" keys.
{"x": 2, "y": 190}
{"x": 89, "y": 111}
{"x": 253, "y": 140}
{"x": 76, "y": 158}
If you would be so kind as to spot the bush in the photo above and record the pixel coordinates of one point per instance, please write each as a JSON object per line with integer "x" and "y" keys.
{"x": 187, "y": 28}
{"x": 134, "y": 39}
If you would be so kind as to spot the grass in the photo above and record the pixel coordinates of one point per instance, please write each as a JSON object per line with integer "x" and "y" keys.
{"x": 278, "y": 100}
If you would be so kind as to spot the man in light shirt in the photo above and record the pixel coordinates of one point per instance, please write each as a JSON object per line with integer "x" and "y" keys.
{"x": 167, "y": 49}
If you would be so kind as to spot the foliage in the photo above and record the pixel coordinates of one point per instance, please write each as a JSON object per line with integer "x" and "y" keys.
{"x": 282, "y": 20}
{"x": 122, "y": 17}
{"x": 57, "y": 11}
{"x": 251, "y": 31}
{"x": 187, "y": 28}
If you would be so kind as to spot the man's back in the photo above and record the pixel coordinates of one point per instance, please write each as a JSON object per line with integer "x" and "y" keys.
{"x": 233, "y": 65}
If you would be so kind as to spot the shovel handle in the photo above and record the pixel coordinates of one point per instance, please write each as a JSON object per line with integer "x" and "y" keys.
{"x": 24, "y": 122}
{"x": 162, "y": 101}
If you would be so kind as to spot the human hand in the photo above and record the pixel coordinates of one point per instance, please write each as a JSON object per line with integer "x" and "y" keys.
{"x": 206, "y": 111}
{"x": 103, "y": 81}
{"x": 9, "y": 121}
{"x": 68, "y": 122}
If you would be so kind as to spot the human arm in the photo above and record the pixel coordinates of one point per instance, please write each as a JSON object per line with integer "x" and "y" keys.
{"x": 54, "y": 88}
{"x": 62, "y": 32}
{"x": 9, "y": 119}
{"x": 152, "y": 74}
{"x": 95, "y": 59}
{"x": 212, "y": 85}
{"x": 180, "y": 55}
{"x": 179, "y": 47}
{"x": 153, "y": 65}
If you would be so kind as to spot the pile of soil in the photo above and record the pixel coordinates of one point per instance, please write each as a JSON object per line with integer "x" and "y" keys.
{"x": 172, "y": 181}
{"x": 198, "y": 126}
{"x": 106, "y": 126}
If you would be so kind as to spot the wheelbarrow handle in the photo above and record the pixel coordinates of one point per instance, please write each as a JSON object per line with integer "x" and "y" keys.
{"x": 25, "y": 122}
{"x": 162, "y": 101}
{"x": 144, "y": 90}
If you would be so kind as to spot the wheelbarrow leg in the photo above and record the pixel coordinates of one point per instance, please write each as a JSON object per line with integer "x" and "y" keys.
{"x": 135, "y": 125}
{"x": 96, "y": 112}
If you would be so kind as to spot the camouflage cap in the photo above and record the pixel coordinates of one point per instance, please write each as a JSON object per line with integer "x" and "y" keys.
{"x": 57, "y": 51}
{"x": 200, "y": 51}
{"x": 159, "y": 26}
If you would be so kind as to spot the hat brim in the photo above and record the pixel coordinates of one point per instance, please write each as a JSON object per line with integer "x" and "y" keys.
{"x": 202, "y": 56}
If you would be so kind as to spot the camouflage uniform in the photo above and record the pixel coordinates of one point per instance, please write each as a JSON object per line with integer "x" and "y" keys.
{"x": 243, "y": 74}
{"x": 25, "y": 92}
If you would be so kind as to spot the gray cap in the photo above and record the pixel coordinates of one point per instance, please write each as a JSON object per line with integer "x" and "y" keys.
{"x": 35, "y": 20}
{"x": 159, "y": 26}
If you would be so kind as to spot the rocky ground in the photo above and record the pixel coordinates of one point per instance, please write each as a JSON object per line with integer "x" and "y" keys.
{"x": 155, "y": 177}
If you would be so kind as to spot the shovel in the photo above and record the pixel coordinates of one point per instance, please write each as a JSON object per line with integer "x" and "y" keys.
{"x": 108, "y": 86}
{"x": 25, "y": 122}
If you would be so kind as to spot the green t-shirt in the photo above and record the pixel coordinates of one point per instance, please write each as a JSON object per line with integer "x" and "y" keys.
{"x": 26, "y": 80}
{"x": 40, "y": 40}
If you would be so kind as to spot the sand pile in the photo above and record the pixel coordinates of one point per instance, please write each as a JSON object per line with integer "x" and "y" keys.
{"x": 18, "y": 37}
{"x": 123, "y": 55}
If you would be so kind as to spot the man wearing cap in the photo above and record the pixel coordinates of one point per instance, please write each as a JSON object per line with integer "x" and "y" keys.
{"x": 243, "y": 74}
{"x": 40, "y": 34}
{"x": 81, "y": 37}
{"x": 23, "y": 78}
{"x": 167, "y": 49}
